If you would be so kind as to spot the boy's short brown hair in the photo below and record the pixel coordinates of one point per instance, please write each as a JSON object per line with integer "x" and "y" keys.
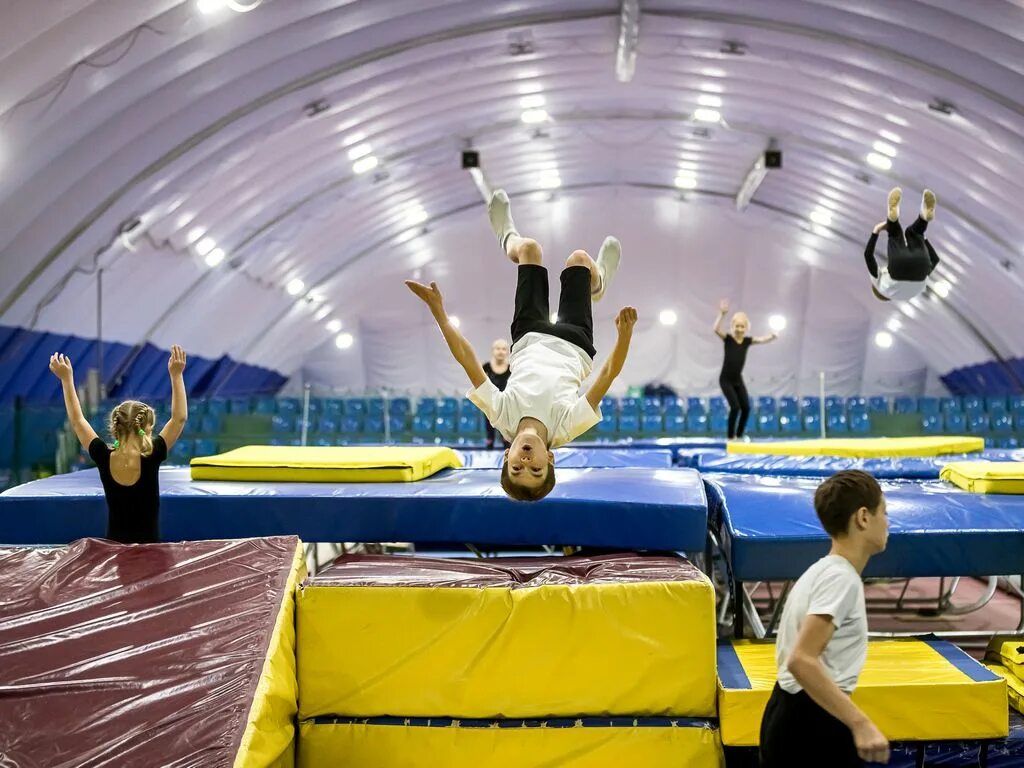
{"x": 521, "y": 493}
{"x": 841, "y": 495}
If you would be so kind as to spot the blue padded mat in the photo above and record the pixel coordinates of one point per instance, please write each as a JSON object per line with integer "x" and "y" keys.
{"x": 580, "y": 458}
{"x": 894, "y": 468}
{"x": 770, "y": 531}
{"x": 628, "y": 508}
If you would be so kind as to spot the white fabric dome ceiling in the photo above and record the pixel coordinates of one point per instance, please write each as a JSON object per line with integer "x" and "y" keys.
{"x": 196, "y": 123}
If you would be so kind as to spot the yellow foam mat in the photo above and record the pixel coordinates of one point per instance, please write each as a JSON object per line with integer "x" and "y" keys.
{"x": 873, "y": 447}
{"x": 573, "y": 744}
{"x": 644, "y": 648}
{"x": 914, "y": 690}
{"x": 1007, "y": 651}
{"x": 316, "y": 464}
{"x": 1014, "y": 685}
{"x": 268, "y": 740}
{"x": 986, "y": 476}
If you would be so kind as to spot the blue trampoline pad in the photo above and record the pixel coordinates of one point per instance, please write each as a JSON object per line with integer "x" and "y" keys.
{"x": 894, "y": 468}
{"x": 770, "y": 530}
{"x": 576, "y": 458}
{"x": 625, "y": 507}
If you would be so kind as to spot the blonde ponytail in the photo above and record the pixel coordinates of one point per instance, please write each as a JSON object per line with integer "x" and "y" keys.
{"x": 132, "y": 418}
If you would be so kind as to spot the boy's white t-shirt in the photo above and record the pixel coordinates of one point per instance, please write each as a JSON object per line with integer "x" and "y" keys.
{"x": 830, "y": 587}
{"x": 544, "y": 384}
{"x": 898, "y": 290}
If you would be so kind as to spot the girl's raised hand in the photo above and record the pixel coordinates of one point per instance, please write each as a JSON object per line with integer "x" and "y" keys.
{"x": 60, "y": 366}
{"x": 176, "y": 363}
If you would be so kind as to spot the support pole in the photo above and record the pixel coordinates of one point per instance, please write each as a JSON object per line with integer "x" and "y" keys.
{"x": 821, "y": 398}
{"x": 305, "y": 415}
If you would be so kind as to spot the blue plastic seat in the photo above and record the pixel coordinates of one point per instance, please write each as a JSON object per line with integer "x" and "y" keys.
{"x": 204, "y": 446}
{"x": 240, "y": 405}
{"x": 834, "y": 405}
{"x": 328, "y": 424}
{"x": 356, "y": 406}
{"x": 929, "y": 405}
{"x": 423, "y": 425}
{"x": 860, "y": 421}
{"x": 281, "y": 422}
{"x": 789, "y": 423}
{"x": 1016, "y": 402}
{"x": 977, "y": 423}
{"x": 182, "y": 452}
{"x": 316, "y": 406}
{"x": 264, "y": 405}
{"x": 652, "y": 422}
{"x": 675, "y": 423}
{"x": 789, "y": 405}
{"x": 652, "y": 403}
{"x": 973, "y": 404}
{"x": 352, "y": 424}
{"x": 812, "y": 422}
{"x": 956, "y": 422}
{"x": 995, "y": 405}
{"x": 426, "y": 406}
{"x": 878, "y": 404}
{"x": 629, "y": 423}
{"x": 695, "y": 404}
{"x": 375, "y": 406}
{"x": 767, "y": 422}
{"x": 217, "y": 406}
{"x": 696, "y": 421}
{"x": 609, "y": 405}
{"x": 719, "y": 421}
{"x": 210, "y": 424}
{"x": 931, "y": 424}
{"x": 808, "y": 404}
{"x": 856, "y": 403}
{"x": 470, "y": 422}
{"x": 950, "y": 404}
{"x": 1001, "y": 423}
{"x": 288, "y": 405}
{"x": 766, "y": 402}
{"x": 629, "y": 405}
{"x": 717, "y": 403}
{"x": 904, "y": 404}
{"x": 448, "y": 406}
{"x": 836, "y": 423}
{"x": 609, "y": 423}
{"x": 444, "y": 426}
{"x": 400, "y": 406}
{"x": 373, "y": 424}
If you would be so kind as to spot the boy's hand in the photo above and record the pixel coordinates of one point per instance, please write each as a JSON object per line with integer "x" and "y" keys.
{"x": 176, "y": 363}
{"x": 879, "y": 227}
{"x": 60, "y": 366}
{"x": 431, "y": 296}
{"x": 625, "y": 320}
{"x": 872, "y": 746}
{"x": 723, "y": 306}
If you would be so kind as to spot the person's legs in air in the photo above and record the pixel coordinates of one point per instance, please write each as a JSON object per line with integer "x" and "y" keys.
{"x": 733, "y": 398}
{"x": 532, "y": 309}
{"x": 744, "y": 398}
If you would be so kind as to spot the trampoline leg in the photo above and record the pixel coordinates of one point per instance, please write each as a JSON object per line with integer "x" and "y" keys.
{"x": 919, "y": 757}
{"x": 737, "y": 609}
{"x": 983, "y": 755}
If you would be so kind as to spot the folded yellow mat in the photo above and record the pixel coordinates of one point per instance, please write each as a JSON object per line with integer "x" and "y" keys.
{"x": 914, "y": 690}
{"x": 429, "y": 637}
{"x": 589, "y": 743}
{"x": 986, "y": 476}
{"x": 1014, "y": 685}
{"x": 316, "y": 464}
{"x": 1008, "y": 651}
{"x": 869, "y": 447}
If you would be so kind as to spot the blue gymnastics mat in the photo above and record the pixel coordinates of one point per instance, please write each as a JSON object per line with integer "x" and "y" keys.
{"x": 576, "y": 458}
{"x": 625, "y": 507}
{"x": 770, "y": 531}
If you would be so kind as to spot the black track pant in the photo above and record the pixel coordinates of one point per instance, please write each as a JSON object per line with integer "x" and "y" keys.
{"x": 735, "y": 392}
{"x": 911, "y": 256}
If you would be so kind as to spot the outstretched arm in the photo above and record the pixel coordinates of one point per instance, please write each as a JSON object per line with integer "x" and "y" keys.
{"x": 723, "y": 309}
{"x": 461, "y": 349}
{"x": 60, "y": 366}
{"x": 179, "y": 400}
{"x": 612, "y": 367}
{"x": 869, "y": 250}
{"x": 764, "y": 339}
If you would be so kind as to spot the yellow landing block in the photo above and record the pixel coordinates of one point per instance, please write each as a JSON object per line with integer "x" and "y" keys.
{"x": 496, "y": 638}
{"x": 316, "y": 464}
{"x": 914, "y": 690}
{"x": 1014, "y": 685}
{"x": 587, "y": 743}
{"x": 1007, "y": 651}
{"x": 986, "y": 476}
{"x": 868, "y": 447}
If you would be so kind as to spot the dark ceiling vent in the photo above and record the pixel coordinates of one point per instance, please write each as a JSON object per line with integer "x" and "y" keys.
{"x": 942, "y": 106}
{"x": 733, "y": 48}
{"x": 314, "y": 108}
{"x": 520, "y": 44}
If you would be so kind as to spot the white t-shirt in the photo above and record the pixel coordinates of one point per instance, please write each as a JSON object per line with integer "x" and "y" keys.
{"x": 898, "y": 290}
{"x": 546, "y": 376}
{"x": 830, "y": 587}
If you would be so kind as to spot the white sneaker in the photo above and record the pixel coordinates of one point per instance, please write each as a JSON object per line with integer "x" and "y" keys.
{"x": 499, "y": 210}
{"x": 745, "y": 439}
{"x": 928, "y": 205}
{"x": 607, "y": 265}
{"x": 895, "y": 195}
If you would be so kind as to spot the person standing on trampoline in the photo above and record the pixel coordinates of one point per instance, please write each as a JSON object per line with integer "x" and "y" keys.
{"x": 823, "y": 639}
{"x": 541, "y": 407}
{"x": 130, "y": 472}
{"x": 737, "y": 342}
{"x": 911, "y": 258}
{"x": 498, "y": 372}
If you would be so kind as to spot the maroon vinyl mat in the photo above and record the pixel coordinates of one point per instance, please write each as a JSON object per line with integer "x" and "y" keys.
{"x": 509, "y": 572}
{"x": 134, "y": 655}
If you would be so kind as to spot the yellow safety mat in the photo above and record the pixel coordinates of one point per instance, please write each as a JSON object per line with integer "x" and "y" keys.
{"x": 873, "y": 447}
{"x": 1007, "y": 651}
{"x": 268, "y": 740}
{"x": 588, "y": 743}
{"x": 1014, "y": 685}
{"x": 633, "y": 648}
{"x": 316, "y": 464}
{"x": 914, "y": 690}
{"x": 986, "y": 476}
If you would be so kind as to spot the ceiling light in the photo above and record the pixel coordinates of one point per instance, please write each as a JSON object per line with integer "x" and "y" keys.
{"x": 891, "y": 137}
{"x": 713, "y": 72}
{"x": 942, "y": 288}
{"x": 777, "y": 323}
{"x": 295, "y": 287}
{"x": 667, "y": 317}
{"x": 550, "y": 179}
{"x": 344, "y": 340}
{"x": 209, "y": 6}
{"x": 821, "y": 216}
{"x": 688, "y": 165}
{"x": 454, "y": 320}
{"x": 705, "y": 115}
{"x": 333, "y": 326}
{"x": 883, "y": 339}
{"x": 205, "y": 245}
{"x": 195, "y": 233}
{"x": 686, "y": 182}
{"x": 353, "y": 138}
{"x": 535, "y": 116}
{"x": 184, "y": 219}
{"x": 884, "y": 149}
{"x": 881, "y": 162}
{"x": 414, "y": 214}
{"x": 709, "y": 100}
{"x": 894, "y": 324}
{"x": 711, "y": 88}
{"x": 360, "y": 150}
{"x": 241, "y": 7}
{"x": 533, "y": 101}
{"x": 322, "y": 313}
{"x": 215, "y": 257}
{"x": 364, "y": 164}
